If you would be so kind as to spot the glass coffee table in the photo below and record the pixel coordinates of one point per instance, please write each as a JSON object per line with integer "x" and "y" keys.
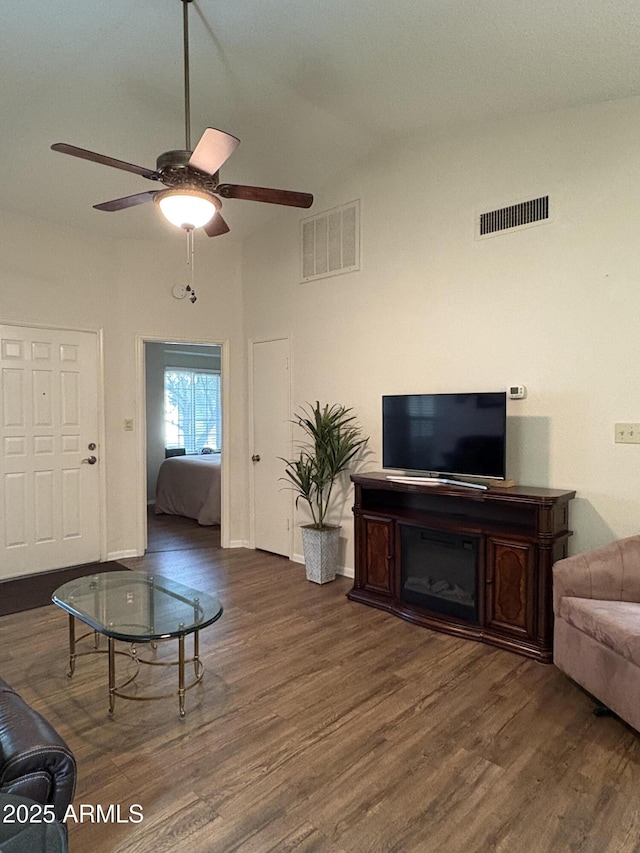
{"x": 138, "y": 607}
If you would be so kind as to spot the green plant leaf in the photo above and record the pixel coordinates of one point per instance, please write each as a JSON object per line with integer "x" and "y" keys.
{"x": 331, "y": 440}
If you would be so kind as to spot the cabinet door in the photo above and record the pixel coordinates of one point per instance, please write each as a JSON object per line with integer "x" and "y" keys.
{"x": 377, "y": 554}
{"x": 510, "y": 587}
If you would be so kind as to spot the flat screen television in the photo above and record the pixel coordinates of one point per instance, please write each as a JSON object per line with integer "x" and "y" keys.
{"x": 463, "y": 434}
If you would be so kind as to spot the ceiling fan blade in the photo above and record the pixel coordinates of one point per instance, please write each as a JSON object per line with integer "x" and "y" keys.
{"x": 264, "y": 194}
{"x": 216, "y": 226}
{"x": 213, "y": 149}
{"x": 127, "y": 201}
{"x": 83, "y": 154}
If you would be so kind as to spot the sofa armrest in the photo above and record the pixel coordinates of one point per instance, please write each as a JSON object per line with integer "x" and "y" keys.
{"x": 35, "y": 762}
{"x": 610, "y": 573}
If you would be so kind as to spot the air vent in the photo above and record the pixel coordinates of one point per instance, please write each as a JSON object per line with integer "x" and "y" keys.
{"x": 521, "y": 215}
{"x": 330, "y": 242}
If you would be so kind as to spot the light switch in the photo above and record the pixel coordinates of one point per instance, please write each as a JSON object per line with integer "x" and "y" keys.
{"x": 627, "y": 433}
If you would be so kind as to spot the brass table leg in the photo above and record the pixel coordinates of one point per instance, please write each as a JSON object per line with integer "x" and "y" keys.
{"x": 72, "y": 646}
{"x": 196, "y": 652}
{"x": 114, "y": 689}
{"x": 112, "y": 675}
{"x": 181, "y": 673}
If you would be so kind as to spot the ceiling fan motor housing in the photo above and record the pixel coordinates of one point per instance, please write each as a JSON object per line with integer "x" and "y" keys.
{"x": 178, "y": 158}
{"x": 173, "y": 170}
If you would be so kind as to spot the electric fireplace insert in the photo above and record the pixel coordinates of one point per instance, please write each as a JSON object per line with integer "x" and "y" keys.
{"x": 440, "y": 571}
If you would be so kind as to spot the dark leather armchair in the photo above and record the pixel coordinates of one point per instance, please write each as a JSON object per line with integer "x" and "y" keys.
{"x": 35, "y": 762}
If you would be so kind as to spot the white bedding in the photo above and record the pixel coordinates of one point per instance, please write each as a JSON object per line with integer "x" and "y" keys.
{"x": 190, "y": 486}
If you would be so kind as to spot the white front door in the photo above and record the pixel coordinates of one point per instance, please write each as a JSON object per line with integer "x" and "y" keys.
{"x": 272, "y": 501}
{"x": 50, "y": 501}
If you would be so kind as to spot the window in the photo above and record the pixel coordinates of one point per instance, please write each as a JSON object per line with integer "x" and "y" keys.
{"x": 192, "y": 416}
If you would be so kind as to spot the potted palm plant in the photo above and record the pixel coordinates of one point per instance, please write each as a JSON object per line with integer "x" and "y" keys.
{"x": 331, "y": 440}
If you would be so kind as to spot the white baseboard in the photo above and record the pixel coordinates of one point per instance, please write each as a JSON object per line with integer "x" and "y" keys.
{"x": 122, "y": 555}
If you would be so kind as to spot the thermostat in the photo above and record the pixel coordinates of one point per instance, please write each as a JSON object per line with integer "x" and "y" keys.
{"x": 517, "y": 392}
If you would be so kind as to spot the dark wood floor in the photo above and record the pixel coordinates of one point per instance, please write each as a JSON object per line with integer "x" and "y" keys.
{"x": 176, "y": 533}
{"x": 324, "y": 725}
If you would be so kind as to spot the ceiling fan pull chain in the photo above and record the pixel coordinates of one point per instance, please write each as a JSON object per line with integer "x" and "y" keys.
{"x": 190, "y": 288}
{"x": 189, "y": 234}
{"x": 192, "y": 264}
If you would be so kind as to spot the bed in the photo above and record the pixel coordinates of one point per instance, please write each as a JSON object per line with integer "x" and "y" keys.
{"x": 190, "y": 486}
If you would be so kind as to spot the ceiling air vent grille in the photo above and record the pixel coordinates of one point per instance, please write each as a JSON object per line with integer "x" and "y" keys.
{"x": 519, "y": 215}
{"x": 330, "y": 242}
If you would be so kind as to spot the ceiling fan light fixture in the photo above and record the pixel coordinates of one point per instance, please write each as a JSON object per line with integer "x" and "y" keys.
{"x": 187, "y": 208}
{"x": 191, "y": 174}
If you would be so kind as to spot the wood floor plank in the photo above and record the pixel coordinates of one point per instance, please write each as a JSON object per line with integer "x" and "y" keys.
{"x": 324, "y": 725}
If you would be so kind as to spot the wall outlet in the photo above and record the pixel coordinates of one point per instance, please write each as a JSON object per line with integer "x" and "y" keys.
{"x": 128, "y": 424}
{"x": 627, "y": 433}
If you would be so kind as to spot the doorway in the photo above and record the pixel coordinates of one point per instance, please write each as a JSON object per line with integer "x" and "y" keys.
{"x": 187, "y": 366}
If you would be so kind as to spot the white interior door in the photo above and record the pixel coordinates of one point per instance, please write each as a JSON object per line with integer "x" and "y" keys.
{"x": 50, "y": 502}
{"x": 271, "y": 440}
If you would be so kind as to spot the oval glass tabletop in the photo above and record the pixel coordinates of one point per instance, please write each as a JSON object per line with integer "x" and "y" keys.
{"x": 137, "y": 606}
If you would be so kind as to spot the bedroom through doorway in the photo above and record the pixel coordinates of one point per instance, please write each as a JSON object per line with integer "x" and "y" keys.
{"x": 184, "y": 445}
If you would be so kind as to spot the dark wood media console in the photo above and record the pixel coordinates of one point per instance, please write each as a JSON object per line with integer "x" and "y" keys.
{"x": 515, "y": 534}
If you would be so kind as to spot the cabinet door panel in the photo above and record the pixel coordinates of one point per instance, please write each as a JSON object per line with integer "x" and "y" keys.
{"x": 378, "y": 555}
{"x": 510, "y": 589}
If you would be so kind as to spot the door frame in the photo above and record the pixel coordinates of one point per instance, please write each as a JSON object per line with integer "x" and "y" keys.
{"x": 141, "y": 419}
{"x": 102, "y": 431}
{"x": 252, "y": 505}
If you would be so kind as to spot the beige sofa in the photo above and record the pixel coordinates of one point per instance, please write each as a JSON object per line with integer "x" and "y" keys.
{"x": 596, "y": 602}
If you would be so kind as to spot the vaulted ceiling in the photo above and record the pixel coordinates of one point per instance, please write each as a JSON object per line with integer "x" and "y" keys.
{"x": 309, "y": 86}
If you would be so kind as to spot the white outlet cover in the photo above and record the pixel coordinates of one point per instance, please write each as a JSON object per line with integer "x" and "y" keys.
{"x": 179, "y": 291}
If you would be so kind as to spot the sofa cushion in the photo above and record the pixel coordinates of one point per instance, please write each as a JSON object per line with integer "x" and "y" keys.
{"x": 615, "y": 624}
{"x": 18, "y": 836}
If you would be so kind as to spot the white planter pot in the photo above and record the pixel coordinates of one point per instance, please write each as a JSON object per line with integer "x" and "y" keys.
{"x": 321, "y": 553}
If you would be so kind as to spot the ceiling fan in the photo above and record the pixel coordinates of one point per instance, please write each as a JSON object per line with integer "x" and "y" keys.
{"x": 193, "y": 192}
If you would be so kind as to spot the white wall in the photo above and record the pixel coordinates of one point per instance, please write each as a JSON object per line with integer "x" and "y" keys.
{"x": 553, "y": 307}
{"x": 57, "y": 277}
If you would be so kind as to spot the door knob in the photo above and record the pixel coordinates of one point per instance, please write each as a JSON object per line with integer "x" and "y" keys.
{"x": 90, "y": 460}
{"x": 255, "y": 457}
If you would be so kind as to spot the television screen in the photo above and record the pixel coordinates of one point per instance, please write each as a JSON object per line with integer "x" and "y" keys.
{"x": 445, "y": 433}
